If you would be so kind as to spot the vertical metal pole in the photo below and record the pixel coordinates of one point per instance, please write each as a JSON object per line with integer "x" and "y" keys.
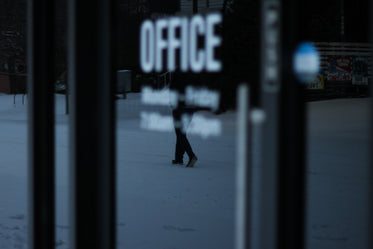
{"x": 292, "y": 136}
{"x": 270, "y": 88}
{"x": 243, "y": 171}
{"x": 92, "y": 76}
{"x": 248, "y": 174}
{"x": 257, "y": 118}
{"x": 41, "y": 70}
{"x": 370, "y": 190}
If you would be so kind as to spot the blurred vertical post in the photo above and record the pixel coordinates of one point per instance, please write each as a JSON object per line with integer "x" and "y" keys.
{"x": 370, "y": 191}
{"x": 266, "y": 236}
{"x": 257, "y": 118}
{"x": 40, "y": 63}
{"x": 92, "y": 75}
{"x": 243, "y": 169}
{"x": 292, "y": 137}
{"x": 248, "y": 173}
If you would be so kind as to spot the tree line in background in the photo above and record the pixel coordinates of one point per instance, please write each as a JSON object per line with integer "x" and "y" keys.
{"x": 13, "y": 43}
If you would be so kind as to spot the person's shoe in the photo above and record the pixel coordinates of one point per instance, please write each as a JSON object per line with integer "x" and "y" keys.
{"x": 177, "y": 162}
{"x": 192, "y": 161}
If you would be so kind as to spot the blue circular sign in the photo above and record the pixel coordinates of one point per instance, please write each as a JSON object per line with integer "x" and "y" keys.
{"x": 306, "y": 62}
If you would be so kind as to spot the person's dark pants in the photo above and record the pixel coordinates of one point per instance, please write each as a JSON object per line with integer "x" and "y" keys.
{"x": 182, "y": 146}
{"x": 182, "y": 143}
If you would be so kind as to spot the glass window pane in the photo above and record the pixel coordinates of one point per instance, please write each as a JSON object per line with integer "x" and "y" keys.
{"x": 13, "y": 125}
{"x": 183, "y": 69}
{"x": 339, "y": 110}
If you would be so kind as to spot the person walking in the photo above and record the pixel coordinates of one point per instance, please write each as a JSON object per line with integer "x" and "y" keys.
{"x": 182, "y": 143}
{"x": 179, "y": 113}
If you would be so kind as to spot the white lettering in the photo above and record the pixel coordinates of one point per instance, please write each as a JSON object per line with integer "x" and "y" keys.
{"x": 199, "y": 125}
{"x": 173, "y": 42}
{"x": 202, "y": 97}
{"x": 193, "y": 55}
{"x": 271, "y": 17}
{"x": 184, "y": 45}
{"x": 161, "y": 43}
{"x": 156, "y": 122}
{"x": 212, "y": 41}
{"x": 164, "y": 97}
{"x": 197, "y": 58}
{"x": 271, "y": 73}
{"x": 147, "y": 46}
{"x": 196, "y": 125}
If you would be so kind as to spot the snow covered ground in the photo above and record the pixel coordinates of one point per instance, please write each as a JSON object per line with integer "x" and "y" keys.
{"x": 338, "y": 174}
{"x": 162, "y": 206}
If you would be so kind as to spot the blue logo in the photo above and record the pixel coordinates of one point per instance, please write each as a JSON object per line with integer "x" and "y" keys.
{"x": 306, "y": 62}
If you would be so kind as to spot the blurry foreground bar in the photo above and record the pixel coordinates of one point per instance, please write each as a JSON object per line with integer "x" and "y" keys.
{"x": 267, "y": 219}
{"x": 243, "y": 178}
{"x": 282, "y": 178}
{"x": 40, "y": 65}
{"x": 92, "y": 75}
{"x": 292, "y": 157}
{"x": 292, "y": 137}
{"x": 370, "y": 216}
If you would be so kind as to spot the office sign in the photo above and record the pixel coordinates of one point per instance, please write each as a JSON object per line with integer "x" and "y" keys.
{"x": 163, "y": 39}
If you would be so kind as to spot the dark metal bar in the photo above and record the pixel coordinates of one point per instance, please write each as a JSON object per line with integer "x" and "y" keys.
{"x": 41, "y": 50}
{"x": 92, "y": 76}
{"x": 370, "y": 190}
{"x": 292, "y": 166}
{"x": 67, "y": 93}
{"x": 270, "y": 91}
{"x": 195, "y": 6}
